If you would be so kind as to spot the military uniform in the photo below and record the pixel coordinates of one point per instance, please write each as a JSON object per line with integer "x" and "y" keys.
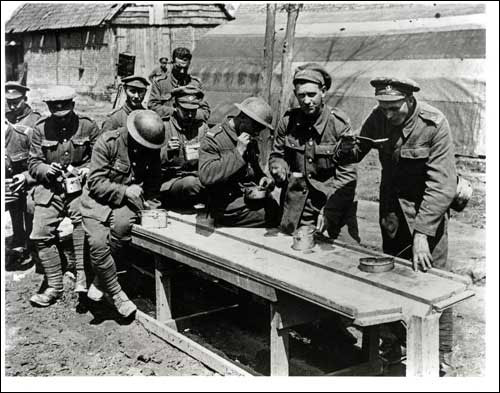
{"x": 418, "y": 182}
{"x": 68, "y": 144}
{"x": 226, "y": 174}
{"x": 157, "y": 73}
{"x": 117, "y": 118}
{"x": 315, "y": 179}
{"x": 107, "y": 213}
{"x": 161, "y": 100}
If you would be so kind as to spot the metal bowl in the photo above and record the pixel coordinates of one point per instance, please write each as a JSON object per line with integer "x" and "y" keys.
{"x": 255, "y": 193}
{"x": 376, "y": 264}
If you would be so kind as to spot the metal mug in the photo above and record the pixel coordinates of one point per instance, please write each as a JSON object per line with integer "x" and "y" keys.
{"x": 303, "y": 238}
{"x": 191, "y": 151}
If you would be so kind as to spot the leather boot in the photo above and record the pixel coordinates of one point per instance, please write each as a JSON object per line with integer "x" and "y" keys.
{"x": 95, "y": 293}
{"x": 46, "y": 298}
{"x": 122, "y": 304}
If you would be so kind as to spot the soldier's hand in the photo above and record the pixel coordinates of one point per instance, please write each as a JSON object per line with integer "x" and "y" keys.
{"x": 174, "y": 143}
{"x": 422, "y": 256}
{"x": 243, "y": 141}
{"x": 322, "y": 223}
{"x": 55, "y": 170}
{"x": 83, "y": 173}
{"x": 18, "y": 183}
{"x": 267, "y": 183}
{"x": 348, "y": 143}
{"x": 278, "y": 172}
{"x": 134, "y": 194}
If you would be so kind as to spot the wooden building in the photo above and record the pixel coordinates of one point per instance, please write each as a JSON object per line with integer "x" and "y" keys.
{"x": 79, "y": 44}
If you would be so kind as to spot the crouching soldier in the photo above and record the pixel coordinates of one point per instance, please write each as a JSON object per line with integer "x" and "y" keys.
{"x": 21, "y": 120}
{"x": 59, "y": 155}
{"x": 124, "y": 178}
{"x": 229, "y": 166}
{"x": 181, "y": 185}
{"x": 135, "y": 89}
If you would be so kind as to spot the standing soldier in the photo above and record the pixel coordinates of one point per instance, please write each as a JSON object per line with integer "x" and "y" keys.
{"x": 21, "y": 120}
{"x": 161, "y": 100}
{"x": 229, "y": 164}
{"x": 161, "y": 71}
{"x": 135, "y": 89}
{"x": 124, "y": 178}
{"x": 59, "y": 155}
{"x": 181, "y": 184}
{"x": 418, "y": 184}
{"x": 318, "y": 191}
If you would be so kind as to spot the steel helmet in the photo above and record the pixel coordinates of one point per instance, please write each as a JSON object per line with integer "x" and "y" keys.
{"x": 257, "y": 109}
{"x": 147, "y": 129}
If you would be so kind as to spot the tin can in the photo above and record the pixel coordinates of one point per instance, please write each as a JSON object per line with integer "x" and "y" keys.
{"x": 191, "y": 151}
{"x": 154, "y": 218}
{"x": 72, "y": 185}
{"x": 303, "y": 238}
{"x": 376, "y": 264}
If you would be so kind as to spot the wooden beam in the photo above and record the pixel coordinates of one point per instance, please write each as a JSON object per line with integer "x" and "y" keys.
{"x": 188, "y": 346}
{"x": 182, "y": 323}
{"x": 361, "y": 370}
{"x": 163, "y": 287}
{"x": 267, "y": 71}
{"x": 422, "y": 346}
{"x": 280, "y": 366}
{"x": 370, "y": 343}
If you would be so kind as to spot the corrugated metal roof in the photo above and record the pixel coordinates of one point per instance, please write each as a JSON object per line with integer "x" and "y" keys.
{"x": 43, "y": 16}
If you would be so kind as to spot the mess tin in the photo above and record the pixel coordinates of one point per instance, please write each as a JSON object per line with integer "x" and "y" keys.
{"x": 376, "y": 264}
{"x": 154, "y": 218}
{"x": 255, "y": 193}
{"x": 72, "y": 185}
{"x": 303, "y": 238}
{"x": 191, "y": 151}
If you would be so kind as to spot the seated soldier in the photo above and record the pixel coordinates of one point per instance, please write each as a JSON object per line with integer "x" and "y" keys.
{"x": 229, "y": 164}
{"x": 181, "y": 186}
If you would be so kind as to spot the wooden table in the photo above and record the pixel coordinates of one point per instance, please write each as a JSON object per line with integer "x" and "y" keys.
{"x": 302, "y": 287}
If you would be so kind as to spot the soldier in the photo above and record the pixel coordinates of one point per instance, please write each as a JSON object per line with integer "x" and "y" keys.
{"x": 124, "y": 178}
{"x": 418, "y": 184}
{"x": 21, "y": 120}
{"x": 161, "y": 71}
{"x": 59, "y": 155}
{"x": 135, "y": 89}
{"x": 160, "y": 99}
{"x": 181, "y": 185}
{"x": 229, "y": 163}
{"x": 318, "y": 191}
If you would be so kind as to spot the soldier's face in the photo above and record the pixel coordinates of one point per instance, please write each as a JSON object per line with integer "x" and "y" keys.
{"x": 310, "y": 97}
{"x": 164, "y": 65}
{"x": 395, "y": 112}
{"x": 249, "y": 125}
{"x": 185, "y": 115}
{"x": 16, "y": 105}
{"x": 180, "y": 67}
{"x": 135, "y": 96}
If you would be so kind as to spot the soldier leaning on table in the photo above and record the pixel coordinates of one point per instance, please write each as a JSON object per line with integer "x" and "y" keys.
{"x": 60, "y": 153}
{"x": 135, "y": 90}
{"x": 229, "y": 163}
{"x": 124, "y": 178}
{"x": 318, "y": 190}
{"x": 181, "y": 186}
{"x": 21, "y": 120}
{"x": 418, "y": 185}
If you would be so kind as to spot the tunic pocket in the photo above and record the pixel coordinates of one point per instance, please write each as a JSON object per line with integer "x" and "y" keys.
{"x": 80, "y": 149}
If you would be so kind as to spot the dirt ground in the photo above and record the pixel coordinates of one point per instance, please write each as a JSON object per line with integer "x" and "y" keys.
{"x": 78, "y": 338}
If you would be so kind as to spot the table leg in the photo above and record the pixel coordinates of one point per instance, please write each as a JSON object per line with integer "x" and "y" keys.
{"x": 163, "y": 287}
{"x": 422, "y": 346}
{"x": 279, "y": 344}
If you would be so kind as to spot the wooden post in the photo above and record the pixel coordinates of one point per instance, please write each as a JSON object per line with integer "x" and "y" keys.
{"x": 279, "y": 345}
{"x": 422, "y": 346}
{"x": 370, "y": 343}
{"x": 267, "y": 72}
{"x": 286, "y": 62}
{"x": 163, "y": 291}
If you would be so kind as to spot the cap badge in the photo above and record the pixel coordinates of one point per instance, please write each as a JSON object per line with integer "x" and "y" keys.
{"x": 388, "y": 88}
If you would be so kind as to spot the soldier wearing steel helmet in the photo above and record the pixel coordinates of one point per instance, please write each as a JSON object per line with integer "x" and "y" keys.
{"x": 419, "y": 181}
{"x": 125, "y": 174}
{"x": 181, "y": 185}
{"x": 21, "y": 120}
{"x": 317, "y": 190}
{"x": 229, "y": 164}
{"x": 60, "y": 150}
{"x": 135, "y": 87}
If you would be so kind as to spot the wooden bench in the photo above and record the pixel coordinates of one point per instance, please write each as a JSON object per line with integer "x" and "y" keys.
{"x": 301, "y": 287}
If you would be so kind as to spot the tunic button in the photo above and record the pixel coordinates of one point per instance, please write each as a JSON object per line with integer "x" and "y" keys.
{"x": 66, "y": 154}
{"x": 65, "y": 140}
{"x": 309, "y": 175}
{"x": 64, "y": 129}
{"x": 310, "y": 160}
{"x": 311, "y": 143}
{"x": 304, "y": 191}
{"x": 134, "y": 164}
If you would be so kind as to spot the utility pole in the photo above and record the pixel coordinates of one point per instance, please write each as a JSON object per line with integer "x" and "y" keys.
{"x": 286, "y": 61}
{"x": 267, "y": 72}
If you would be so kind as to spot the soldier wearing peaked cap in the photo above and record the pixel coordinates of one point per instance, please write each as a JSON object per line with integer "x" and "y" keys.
{"x": 58, "y": 161}
{"x": 318, "y": 191}
{"x": 419, "y": 179}
{"x": 181, "y": 185}
{"x": 135, "y": 89}
{"x": 160, "y": 71}
{"x": 20, "y": 122}
{"x": 229, "y": 165}
{"x": 124, "y": 178}
{"x": 161, "y": 99}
